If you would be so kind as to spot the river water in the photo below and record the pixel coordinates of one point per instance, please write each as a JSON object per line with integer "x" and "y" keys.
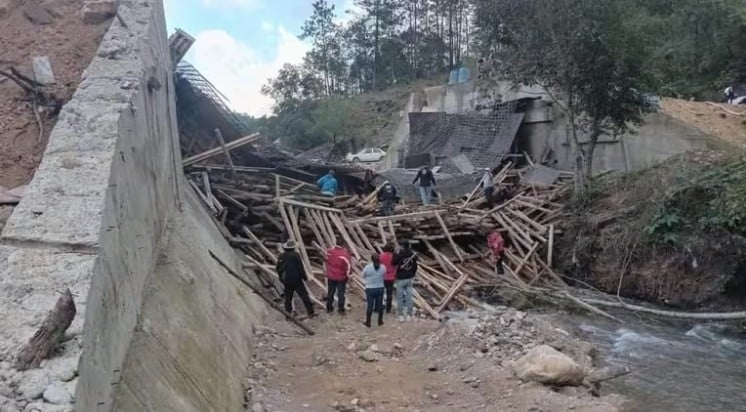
{"x": 675, "y": 366}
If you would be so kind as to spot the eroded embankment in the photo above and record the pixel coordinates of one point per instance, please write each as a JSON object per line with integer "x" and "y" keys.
{"x": 671, "y": 234}
{"x": 159, "y": 324}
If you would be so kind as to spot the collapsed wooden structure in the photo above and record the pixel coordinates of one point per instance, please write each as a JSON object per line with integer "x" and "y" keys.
{"x": 258, "y": 209}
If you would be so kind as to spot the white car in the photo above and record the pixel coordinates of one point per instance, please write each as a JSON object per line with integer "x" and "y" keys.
{"x": 371, "y": 154}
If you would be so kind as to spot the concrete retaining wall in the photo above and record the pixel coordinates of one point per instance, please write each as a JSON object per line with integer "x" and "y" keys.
{"x": 107, "y": 215}
{"x": 544, "y": 127}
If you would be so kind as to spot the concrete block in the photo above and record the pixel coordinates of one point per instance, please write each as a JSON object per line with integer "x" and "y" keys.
{"x": 43, "y": 72}
{"x": 99, "y": 11}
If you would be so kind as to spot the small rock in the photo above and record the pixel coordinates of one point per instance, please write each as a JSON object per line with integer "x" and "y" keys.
{"x": 351, "y": 347}
{"x": 354, "y": 402}
{"x": 65, "y": 369}
{"x": 4, "y": 8}
{"x": 57, "y": 394}
{"x": 368, "y": 356}
{"x": 257, "y": 407}
{"x": 33, "y": 384}
{"x": 98, "y": 11}
{"x": 432, "y": 368}
{"x": 374, "y": 348}
{"x": 469, "y": 379}
{"x": 434, "y": 396}
{"x": 37, "y": 14}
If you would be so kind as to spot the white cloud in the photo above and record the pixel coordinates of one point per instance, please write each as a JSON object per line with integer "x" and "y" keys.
{"x": 248, "y": 4}
{"x": 238, "y": 71}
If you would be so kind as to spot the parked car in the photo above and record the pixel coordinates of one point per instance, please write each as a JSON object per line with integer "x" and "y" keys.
{"x": 371, "y": 154}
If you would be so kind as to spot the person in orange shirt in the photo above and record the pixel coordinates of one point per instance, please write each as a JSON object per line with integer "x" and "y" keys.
{"x": 387, "y": 260}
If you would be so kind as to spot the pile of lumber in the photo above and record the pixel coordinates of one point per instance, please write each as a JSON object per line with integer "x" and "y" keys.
{"x": 258, "y": 210}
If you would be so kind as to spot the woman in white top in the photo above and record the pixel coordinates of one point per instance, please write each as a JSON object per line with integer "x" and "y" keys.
{"x": 373, "y": 274}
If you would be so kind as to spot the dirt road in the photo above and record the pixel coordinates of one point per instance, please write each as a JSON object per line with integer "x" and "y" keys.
{"x": 421, "y": 365}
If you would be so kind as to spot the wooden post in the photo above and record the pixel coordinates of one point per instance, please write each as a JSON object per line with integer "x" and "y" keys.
{"x": 261, "y": 295}
{"x": 455, "y": 247}
{"x": 550, "y": 245}
{"x": 226, "y": 152}
{"x": 49, "y": 335}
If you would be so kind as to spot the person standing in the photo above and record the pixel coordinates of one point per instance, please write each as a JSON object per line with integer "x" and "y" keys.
{"x": 338, "y": 268}
{"x": 387, "y": 197}
{"x": 427, "y": 182}
{"x": 328, "y": 184}
{"x": 293, "y": 276}
{"x": 373, "y": 274}
{"x": 406, "y": 268}
{"x": 496, "y": 244}
{"x": 488, "y": 188}
{"x": 387, "y": 260}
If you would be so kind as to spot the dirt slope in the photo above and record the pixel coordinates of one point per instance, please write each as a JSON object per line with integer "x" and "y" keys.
{"x": 710, "y": 119}
{"x": 70, "y": 45}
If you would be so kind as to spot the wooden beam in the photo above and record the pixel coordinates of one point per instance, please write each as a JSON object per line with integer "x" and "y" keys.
{"x": 217, "y": 150}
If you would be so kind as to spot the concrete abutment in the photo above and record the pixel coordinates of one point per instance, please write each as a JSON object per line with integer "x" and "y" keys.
{"x": 160, "y": 325}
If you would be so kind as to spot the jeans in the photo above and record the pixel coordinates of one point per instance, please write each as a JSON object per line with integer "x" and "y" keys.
{"x": 374, "y": 299}
{"x": 387, "y": 207}
{"x": 489, "y": 196}
{"x": 389, "y": 286}
{"x": 425, "y": 194}
{"x": 404, "y": 296}
{"x": 338, "y": 286}
{"x": 290, "y": 290}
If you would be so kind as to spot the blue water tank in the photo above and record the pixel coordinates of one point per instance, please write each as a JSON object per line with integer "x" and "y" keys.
{"x": 463, "y": 75}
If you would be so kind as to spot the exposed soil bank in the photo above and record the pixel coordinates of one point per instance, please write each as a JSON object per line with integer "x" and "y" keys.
{"x": 668, "y": 235}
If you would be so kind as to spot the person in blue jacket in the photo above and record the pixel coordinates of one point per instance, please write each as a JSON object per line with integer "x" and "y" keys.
{"x": 328, "y": 184}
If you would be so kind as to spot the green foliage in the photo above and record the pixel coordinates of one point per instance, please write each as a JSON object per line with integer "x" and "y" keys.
{"x": 714, "y": 202}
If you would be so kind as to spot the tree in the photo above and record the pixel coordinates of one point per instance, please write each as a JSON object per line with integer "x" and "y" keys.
{"x": 327, "y": 48}
{"x": 582, "y": 53}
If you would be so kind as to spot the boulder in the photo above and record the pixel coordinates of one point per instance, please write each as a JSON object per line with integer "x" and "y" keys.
{"x": 546, "y": 365}
{"x": 99, "y": 11}
{"x": 43, "y": 72}
{"x": 368, "y": 356}
{"x": 33, "y": 384}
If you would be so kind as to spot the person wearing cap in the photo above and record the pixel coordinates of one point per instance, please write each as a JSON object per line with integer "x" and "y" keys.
{"x": 328, "y": 184}
{"x": 293, "y": 277}
{"x": 338, "y": 268}
{"x": 487, "y": 186}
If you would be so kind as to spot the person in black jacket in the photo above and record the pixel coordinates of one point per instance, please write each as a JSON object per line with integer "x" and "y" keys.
{"x": 387, "y": 197}
{"x": 405, "y": 261}
{"x": 427, "y": 182}
{"x": 293, "y": 277}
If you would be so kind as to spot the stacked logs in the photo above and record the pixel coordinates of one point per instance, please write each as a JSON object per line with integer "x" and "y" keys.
{"x": 260, "y": 209}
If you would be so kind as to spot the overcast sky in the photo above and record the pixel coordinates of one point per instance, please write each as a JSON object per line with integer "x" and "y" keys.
{"x": 242, "y": 43}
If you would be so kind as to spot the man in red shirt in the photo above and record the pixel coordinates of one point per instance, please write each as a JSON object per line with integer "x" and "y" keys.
{"x": 387, "y": 260}
{"x": 338, "y": 268}
{"x": 496, "y": 244}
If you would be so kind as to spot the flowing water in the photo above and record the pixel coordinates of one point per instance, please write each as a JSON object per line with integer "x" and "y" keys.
{"x": 675, "y": 366}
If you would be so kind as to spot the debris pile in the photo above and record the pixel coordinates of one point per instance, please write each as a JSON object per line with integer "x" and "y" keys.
{"x": 259, "y": 208}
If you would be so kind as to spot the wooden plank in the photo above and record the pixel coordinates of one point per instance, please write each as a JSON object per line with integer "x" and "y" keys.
{"x": 226, "y": 152}
{"x": 270, "y": 256}
{"x": 394, "y": 218}
{"x": 303, "y": 251}
{"x": 346, "y": 236}
{"x": 312, "y": 224}
{"x": 217, "y": 150}
{"x": 550, "y": 246}
{"x": 292, "y": 202}
{"x": 261, "y": 295}
{"x": 455, "y": 247}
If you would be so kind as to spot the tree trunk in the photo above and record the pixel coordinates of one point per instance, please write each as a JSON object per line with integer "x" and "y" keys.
{"x": 595, "y": 134}
{"x": 49, "y": 335}
{"x": 580, "y": 180}
{"x": 375, "y": 51}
